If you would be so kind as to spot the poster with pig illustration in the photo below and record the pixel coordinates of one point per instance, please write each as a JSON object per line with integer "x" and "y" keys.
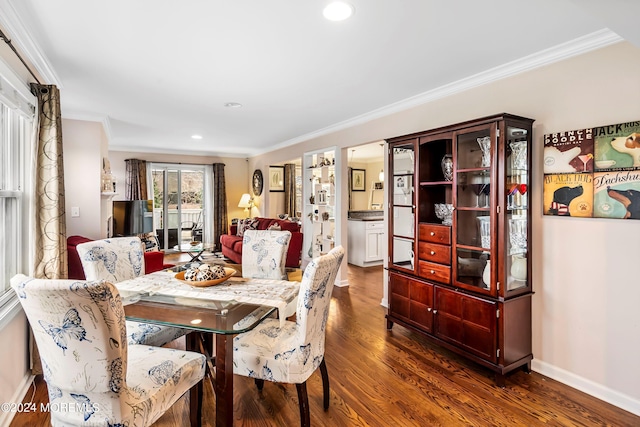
{"x": 568, "y": 152}
{"x": 617, "y": 147}
{"x": 568, "y": 194}
{"x": 617, "y": 194}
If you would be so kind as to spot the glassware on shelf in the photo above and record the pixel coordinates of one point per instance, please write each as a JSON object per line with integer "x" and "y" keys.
{"x": 485, "y": 146}
{"x": 485, "y": 231}
{"x": 513, "y": 189}
{"x": 447, "y": 167}
{"x": 519, "y": 155}
{"x": 444, "y": 212}
{"x": 518, "y": 235}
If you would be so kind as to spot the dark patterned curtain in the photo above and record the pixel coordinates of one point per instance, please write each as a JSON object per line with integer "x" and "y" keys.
{"x": 136, "y": 180}
{"x": 220, "y": 218}
{"x": 50, "y": 227}
{"x": 290, "y": 189}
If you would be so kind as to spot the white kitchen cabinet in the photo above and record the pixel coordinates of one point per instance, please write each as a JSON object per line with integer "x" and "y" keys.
{"x": 366, "y": 242}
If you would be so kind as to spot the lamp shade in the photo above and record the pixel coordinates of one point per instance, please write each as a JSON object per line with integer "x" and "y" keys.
{"x": 245, "y": 201}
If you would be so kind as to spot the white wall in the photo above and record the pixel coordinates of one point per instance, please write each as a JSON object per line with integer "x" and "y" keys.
{"x": 15, "y": 375}
{"x": 586, "y": 321}
{"x": 82, "y": 145}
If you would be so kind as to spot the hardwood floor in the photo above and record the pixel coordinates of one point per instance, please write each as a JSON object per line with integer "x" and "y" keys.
{"x": 392, "y": 378}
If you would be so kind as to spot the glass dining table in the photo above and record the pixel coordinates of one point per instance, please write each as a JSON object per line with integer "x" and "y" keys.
{"x": 215, "y": 314}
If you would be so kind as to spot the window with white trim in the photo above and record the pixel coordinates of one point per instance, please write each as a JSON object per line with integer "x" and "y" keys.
{"x": 16, "y": 120}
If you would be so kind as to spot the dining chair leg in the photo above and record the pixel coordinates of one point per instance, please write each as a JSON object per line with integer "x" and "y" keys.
{"x": 303, "y": 401}
{"x": 259, "y": 383}
{"x": 195, "y": 404}
{"x": 325, "y": 383}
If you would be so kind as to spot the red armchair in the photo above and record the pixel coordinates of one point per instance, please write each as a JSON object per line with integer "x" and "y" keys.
{"x": 153, "y": 261}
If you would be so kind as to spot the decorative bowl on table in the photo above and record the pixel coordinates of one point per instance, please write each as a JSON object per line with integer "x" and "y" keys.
{"x": 205, "y": 275}
{"x": 444, "y": 212}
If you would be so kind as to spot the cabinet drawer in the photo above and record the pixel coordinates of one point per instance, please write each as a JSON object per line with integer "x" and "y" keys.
{"x": 434, "y": 233}
{"x": 434, "y": 252}
{"x": 436, "y": 272}
{"x": 374, "y": 225}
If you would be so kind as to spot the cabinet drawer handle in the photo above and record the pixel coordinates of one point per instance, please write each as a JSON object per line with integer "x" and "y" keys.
{"x": 433, "y": 252}
{"x": 433, "y": 233}
{"x": 428, "y": 308}
{"x": 433, "y": 272}
{"x": 435, "y": 311}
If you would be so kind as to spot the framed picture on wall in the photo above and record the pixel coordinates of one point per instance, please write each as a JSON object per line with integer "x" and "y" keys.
{"x": 276, "y": 179}
{"x": 358, "y": 180}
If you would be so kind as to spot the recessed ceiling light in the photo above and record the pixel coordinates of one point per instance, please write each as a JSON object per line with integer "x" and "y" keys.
{"x": 338, "y": 11}
{"x": 233, "y": 105}
{"x": 196, "y": 136}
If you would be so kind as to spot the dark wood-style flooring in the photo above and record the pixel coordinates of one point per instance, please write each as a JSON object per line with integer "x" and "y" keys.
{"x": 392, "y": 378}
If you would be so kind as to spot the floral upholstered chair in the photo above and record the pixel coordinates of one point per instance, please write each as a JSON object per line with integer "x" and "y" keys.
{"x": 93, "y": 376}
{"x": 290, "y": 354}
{"x": 264, "y": 253}
{"x": 118, "y": 259}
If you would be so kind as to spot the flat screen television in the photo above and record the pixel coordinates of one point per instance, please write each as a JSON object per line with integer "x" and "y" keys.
{"x": 131, "y": 217}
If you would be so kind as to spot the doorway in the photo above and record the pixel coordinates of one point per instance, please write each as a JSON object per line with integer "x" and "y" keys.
{"x": 178, "y": 203}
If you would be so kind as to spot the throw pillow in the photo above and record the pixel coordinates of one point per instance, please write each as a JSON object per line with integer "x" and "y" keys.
{"x": 275, "y": 226}
{"x": 246, "y": 224}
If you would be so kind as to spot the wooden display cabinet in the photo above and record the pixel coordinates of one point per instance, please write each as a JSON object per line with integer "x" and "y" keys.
{"x": 459, "y": 265}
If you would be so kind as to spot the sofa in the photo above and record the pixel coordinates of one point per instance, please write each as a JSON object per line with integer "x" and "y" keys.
{"x": 153, "y": 261}
{"x": 232, "y": 242}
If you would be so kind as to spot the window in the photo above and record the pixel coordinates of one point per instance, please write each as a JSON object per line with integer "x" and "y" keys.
{"x": 16, "y": 119}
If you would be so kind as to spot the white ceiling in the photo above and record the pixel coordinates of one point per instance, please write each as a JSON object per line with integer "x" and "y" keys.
{"x": 155, "y": 72}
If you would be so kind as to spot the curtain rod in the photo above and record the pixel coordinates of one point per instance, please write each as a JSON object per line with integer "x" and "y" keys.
{"x": 7, "y": 41}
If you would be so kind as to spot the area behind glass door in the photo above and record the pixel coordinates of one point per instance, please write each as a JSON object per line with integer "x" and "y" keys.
{"x": 474, "y": 159}
{"x": 517, "y": 204}
{"x": 402, "y": 197}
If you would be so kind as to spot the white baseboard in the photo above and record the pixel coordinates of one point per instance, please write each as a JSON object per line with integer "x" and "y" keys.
{"x": 341, "y": 283}
{"x": 592, "y": 388}
{"x": 21, "y": 390}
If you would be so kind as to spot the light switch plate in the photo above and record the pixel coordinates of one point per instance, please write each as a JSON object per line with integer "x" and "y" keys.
{"x": 75, "y": 212}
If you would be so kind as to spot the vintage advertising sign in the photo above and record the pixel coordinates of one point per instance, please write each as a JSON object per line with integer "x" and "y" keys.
{"x": 568, "y": 152}
{"x": 617, "y": 194}
{"x": 593, "y": 172}
{"x": 568, "y": 194}
{"x": 617, "y": 146}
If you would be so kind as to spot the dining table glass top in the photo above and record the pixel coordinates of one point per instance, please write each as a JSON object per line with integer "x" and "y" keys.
{"x": 232, "y": 307}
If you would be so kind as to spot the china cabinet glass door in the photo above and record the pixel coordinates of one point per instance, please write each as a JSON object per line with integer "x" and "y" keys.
{"x": 474, "y": 219}
{"x": 402, "y": 199}
{"x": 517, "y": 208}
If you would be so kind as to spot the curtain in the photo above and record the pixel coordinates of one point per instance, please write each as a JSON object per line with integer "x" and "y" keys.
{"x": 50, "y": 258}
{"x": 136, "y": 180}
{"x": 220, "y": 218}
{"x": 290, "y": 189}
{"x": 50, "y": 228}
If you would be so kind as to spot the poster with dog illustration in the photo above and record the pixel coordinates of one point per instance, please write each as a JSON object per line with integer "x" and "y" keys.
{"x": 617, "y": 147}
{"x": 617, "y": 194}
{"x": 568, "y": 194}
{"x": 568, "y": 152}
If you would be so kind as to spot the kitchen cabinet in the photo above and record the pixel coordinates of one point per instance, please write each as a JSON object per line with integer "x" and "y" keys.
{"x": 366, "y": 242}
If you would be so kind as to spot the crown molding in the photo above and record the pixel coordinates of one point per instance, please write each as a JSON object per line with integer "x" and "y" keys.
{"x": 578, "y": 46}
{"x": 25, "y": 44}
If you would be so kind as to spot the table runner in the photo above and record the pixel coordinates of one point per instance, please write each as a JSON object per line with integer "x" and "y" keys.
{"x": 273, "y": 293}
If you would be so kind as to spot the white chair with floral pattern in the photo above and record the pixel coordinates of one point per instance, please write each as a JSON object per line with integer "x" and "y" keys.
{"x": 118, "y": 259}
{"x": 264, "y": 254}
{"x": 94, "y": 378}
{"x": 291, "y": 353}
